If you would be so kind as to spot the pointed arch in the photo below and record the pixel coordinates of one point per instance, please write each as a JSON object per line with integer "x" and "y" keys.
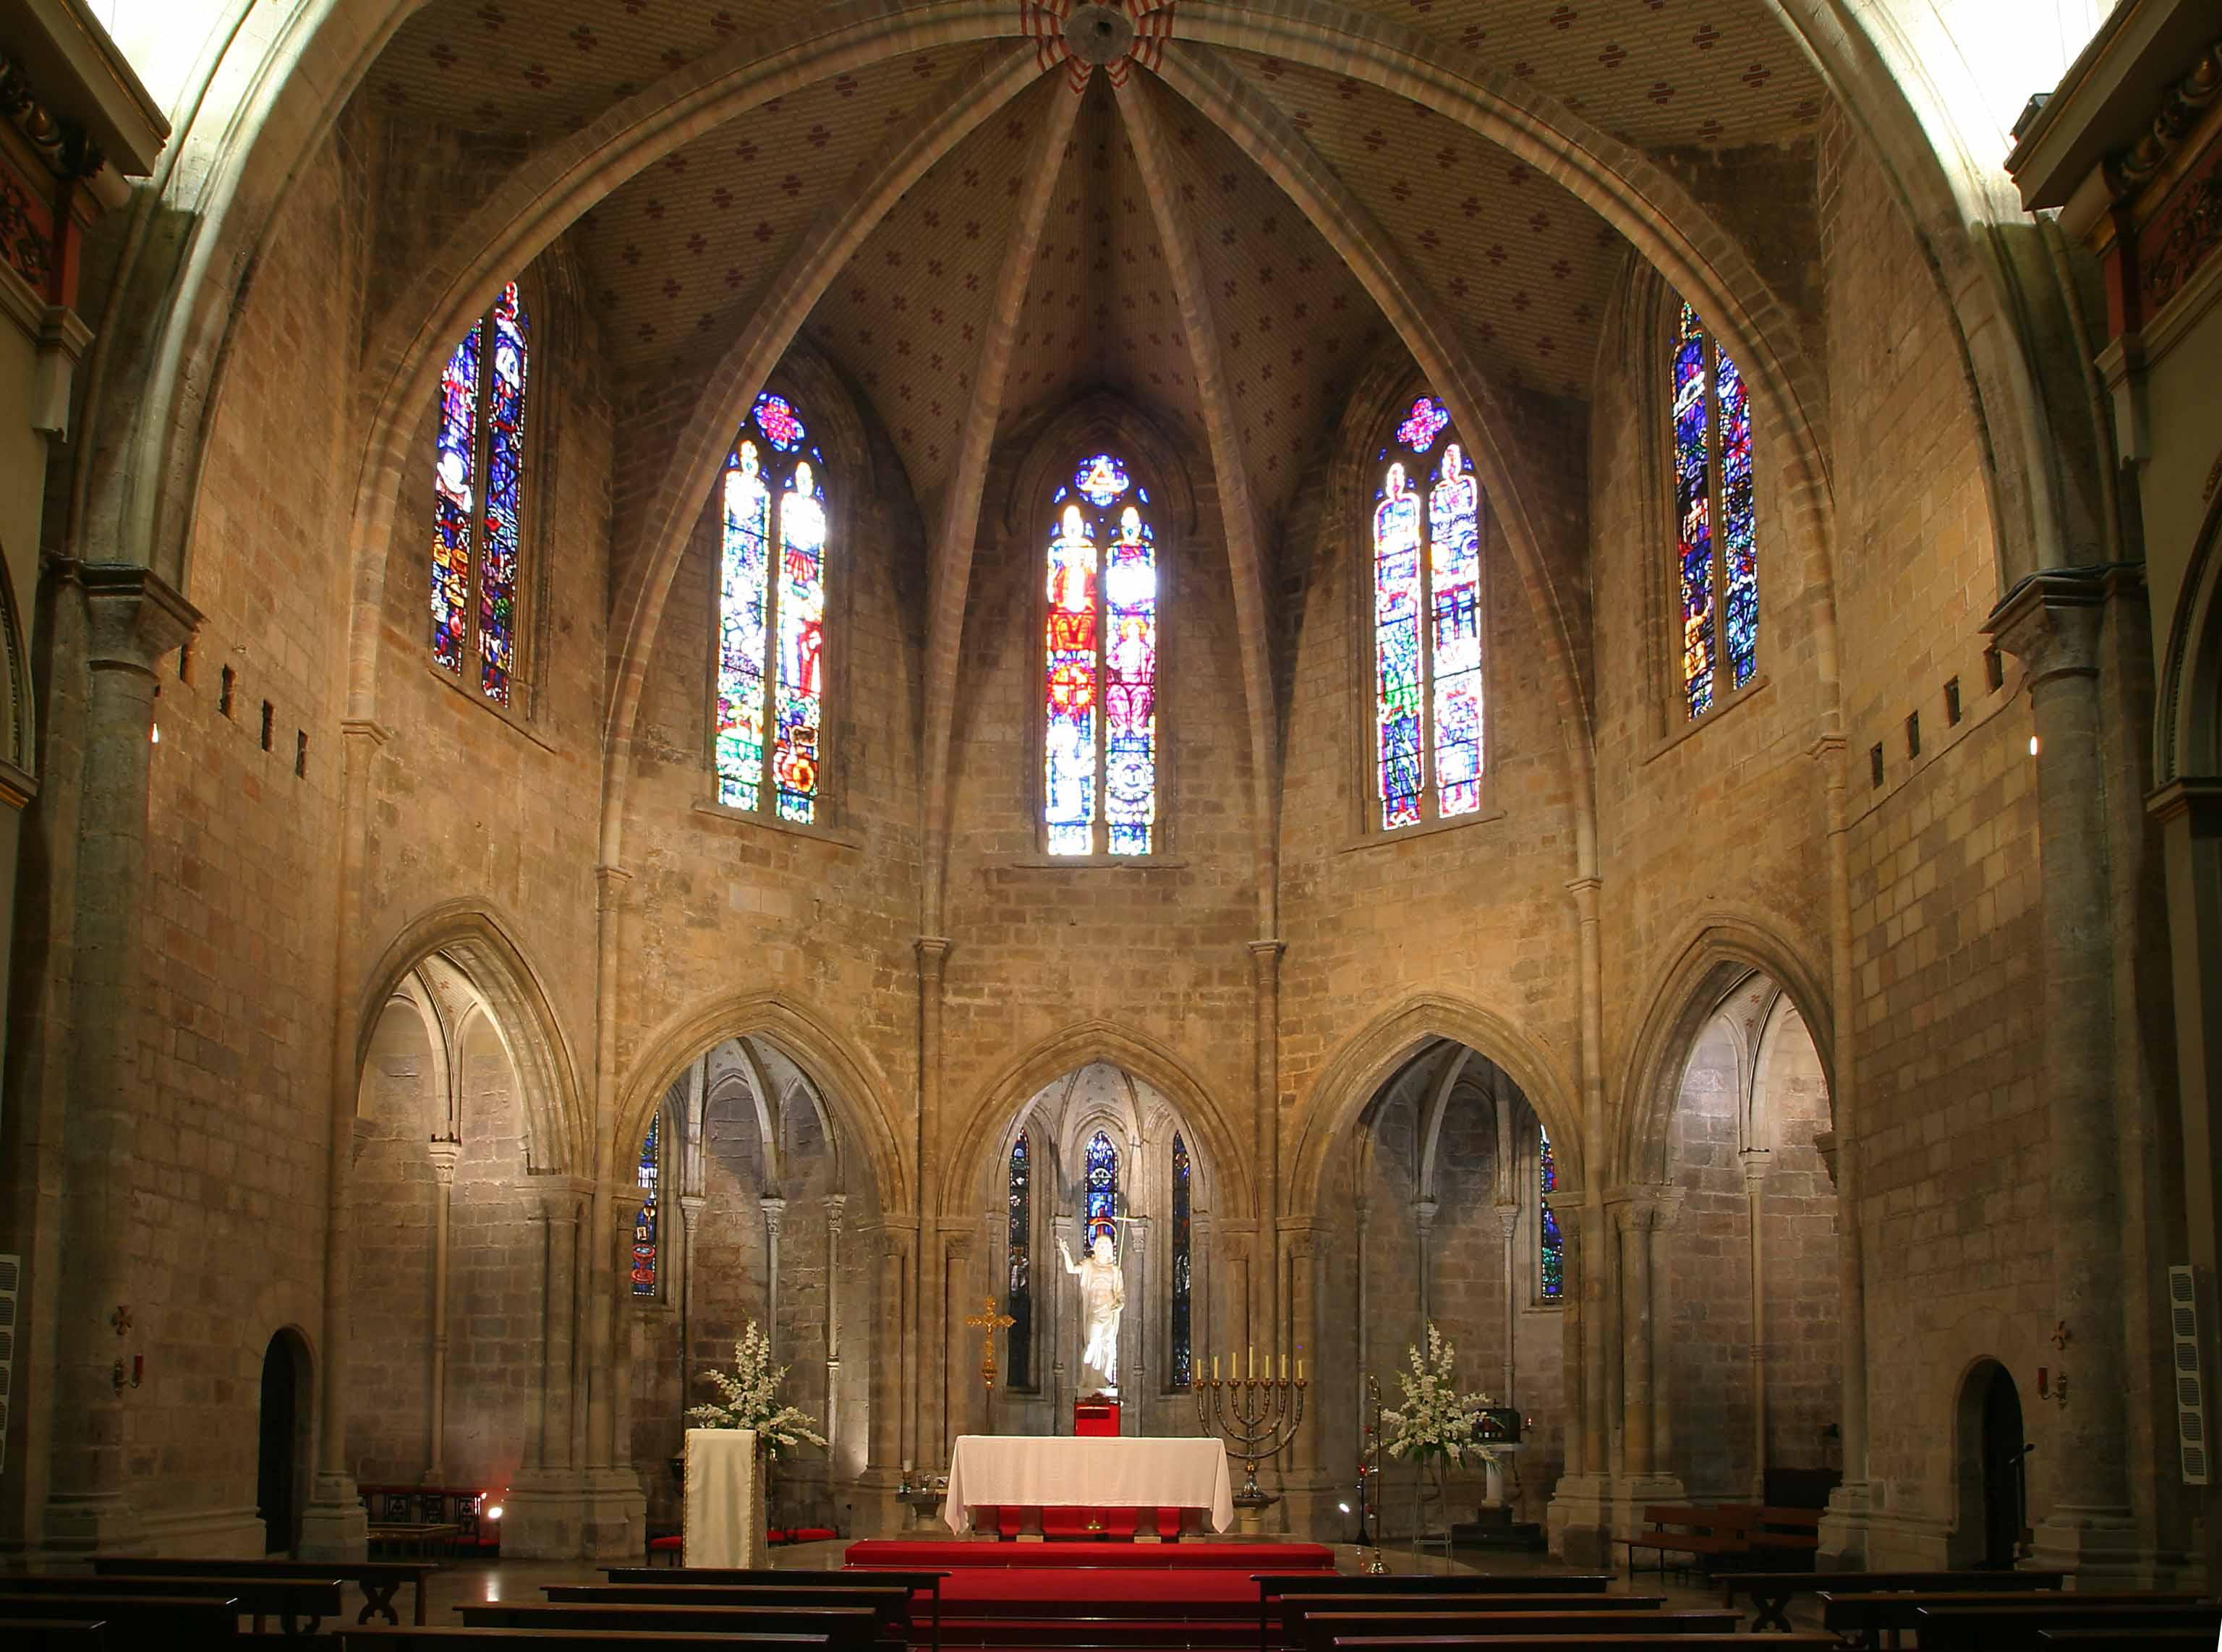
{"x": 1356, "y": 1071}
{"x": 1714, "y": 956}
{"x": 470, "y": 936}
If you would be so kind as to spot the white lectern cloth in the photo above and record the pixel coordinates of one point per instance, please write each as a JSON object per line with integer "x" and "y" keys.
{"x": 1056, "y": 1472}
{"x": 724, "y": 1518}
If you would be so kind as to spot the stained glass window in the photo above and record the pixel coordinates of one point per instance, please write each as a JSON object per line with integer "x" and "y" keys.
{"x": 1181, "y": 1277}
{"x": 1019, "y": 1293}
{"x": 1427, "y": 678}
{"x": 644, "y": 1219}
{"x": 1101, "y": 1194}
{"x": 1716, "y": 552}
{"x": 1100, "y": 665}
{"x": 771, "y": 617}
{"x": 475, "y": 541}
{"x": 1552, "y": 1245}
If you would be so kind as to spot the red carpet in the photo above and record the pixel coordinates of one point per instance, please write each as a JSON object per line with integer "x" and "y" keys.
{"x": 1117, "y": 1597}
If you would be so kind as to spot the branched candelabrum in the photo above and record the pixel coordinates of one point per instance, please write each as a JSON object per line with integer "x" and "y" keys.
{"x": 1256, "y": 1415}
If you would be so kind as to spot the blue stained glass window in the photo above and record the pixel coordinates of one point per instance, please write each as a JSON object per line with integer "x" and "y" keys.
{"x": 1102, "y": 1191}
{"x": 1716, "y": 554}
{"x": 1019, "y": 1290}
{"x": 644, "y": 1219}
{"x": 1552, "y": 1246}
{"x": 771, "y": 617}
{"x": 476, "y": 537}
{"x": 1100, "y": 668}
{"x": 1427, "y": 678}
{"x": 1183, "y": 1212}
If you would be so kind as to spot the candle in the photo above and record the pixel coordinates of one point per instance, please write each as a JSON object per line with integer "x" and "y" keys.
{"x": 1253, "y": 1362}
{"x": 1300, "y": 1367}
{"x": 1215, "y": 1367}
{"x": 1284, "y": 1365}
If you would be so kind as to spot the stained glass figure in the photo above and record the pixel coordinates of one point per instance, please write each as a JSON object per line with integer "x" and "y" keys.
{"x": 1183, "y": 1226}
{"x": 771, "y": 617}
{"x": 1100, "y": 668}
{"x": 644, "y": 1219}
{"x": 1552, "y": 1246}
{"x": 1422, "y": 424}
{"x": 475, "y": 550}
{"x": 1100, "y": 1192}
{"x": 1717, "y": 557}
{"x": 1019, "y": 1290}
{"x": 1428, "y": 651}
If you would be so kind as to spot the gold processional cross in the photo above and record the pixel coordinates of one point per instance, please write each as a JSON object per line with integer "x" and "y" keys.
{"x": 987, "y": 1322}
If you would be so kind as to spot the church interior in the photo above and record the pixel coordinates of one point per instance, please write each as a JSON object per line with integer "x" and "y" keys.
{"x": 1035, "y": 697}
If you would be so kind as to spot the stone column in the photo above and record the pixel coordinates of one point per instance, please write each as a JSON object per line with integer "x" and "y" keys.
{"x": 1636, "y": 1220}
{"x": 1304, "y": 1454}
{"x": 1578, "y": 1515}
{"x": 131, "y": 618}
{"x": 1755, "y": 1162}
{"x": 2051, "y": 623}
{"x": 774, "y": 1214}
{"x": 1666, "y": 1203}
{"x": 1423, "y": 1237}
{"x": 1136, "y": 1321}
{"x": 544, "y": 1514}
{"x": 691, "y": 1206}
{"x": 443, "y": 1152}
{"x": 1265, "y": 1037}
{"x": 836, "y": 1206}
{"x": 932, "y": 954}
{"x": 1507, "y": 1223}
{"x": 1051, "y": 1337}
{"x": 1361, "y": 1413}
{"x": 1584, "y": 1438}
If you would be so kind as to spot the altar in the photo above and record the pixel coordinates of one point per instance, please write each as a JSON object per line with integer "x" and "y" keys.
{"x": 1040, "y": 1471}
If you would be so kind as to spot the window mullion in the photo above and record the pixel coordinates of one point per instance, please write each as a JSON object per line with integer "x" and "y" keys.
{"x": 1430, "y": 802}
{"x": 1099, "y": 830}
{"x": 1717, "y": 503}
{"x": 768, "y": 710}
{"x": 473, "y": 661}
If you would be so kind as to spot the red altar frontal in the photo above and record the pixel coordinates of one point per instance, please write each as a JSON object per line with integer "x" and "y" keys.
{"x": 1092, "y": 1419}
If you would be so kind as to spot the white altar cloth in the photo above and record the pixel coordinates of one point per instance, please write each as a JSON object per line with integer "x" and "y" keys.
{"x": 1036, "y": 1472}
{"x": 724, "y": 1518}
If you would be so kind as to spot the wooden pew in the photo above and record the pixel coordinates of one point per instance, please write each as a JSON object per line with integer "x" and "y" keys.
{"x": 380, "y": 1580}
{"x": 1698, "y": 1533}
{"x": 1785, "y": 1532}
{"x": 889, "y": 1602}
{"x": 446, "y": 1638}
{"x": 299, "y": 1603}
{"x": 770, "y": 1578}
{"x": 35, "y": 1635}
{"x": 2130, "y": 1640}
{"x": 1297, "y": 1611}
{"x": 843, "y": 1627}
{"x": 1706, "y": 1641}
{"x": 1337, "y": 1631}
{"x": 1866, "y": 1617}
{"x": 1281, "y": 1586}
{"x": 172, "y": 1623}
{"x": 2014, "y": 1625}
{"x": 1770, "y": 1592}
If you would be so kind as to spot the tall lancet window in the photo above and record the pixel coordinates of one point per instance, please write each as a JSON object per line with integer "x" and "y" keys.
{"x": 1183, "y": 1304}
{"x": 1427, "y": 625}
{"x": 1100, "y": 667}
{"x": 1018, "y": 1288}
{"x": 771, "y": 617}
{"x": 1101, "y": 1190}
{"x": 477, "y": 500}
{"x": 1550, "y": 1244}
{"x": 645, "y": 1220}
{"x": 1715, "y": 573}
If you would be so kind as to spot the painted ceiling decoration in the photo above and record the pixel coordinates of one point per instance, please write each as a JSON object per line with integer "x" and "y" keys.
{"x": 1083, "y": 35}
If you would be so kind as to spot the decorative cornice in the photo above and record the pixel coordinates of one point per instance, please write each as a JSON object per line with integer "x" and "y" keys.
{"x": 2181, "y": 106}
{"x": 2199, "y": 796}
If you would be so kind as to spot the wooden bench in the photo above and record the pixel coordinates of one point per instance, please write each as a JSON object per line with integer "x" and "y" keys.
{"x": 770, "y": 1578}
{"x": 380, "y": 1580}
{"x": 2013, "y": 1625}
{"x": 889, "y": 1602}
{"x": 1707, "y": 1641}
{"x": 450, "y": 1639}
{"x": 841, "y": 1626}
{"x": 173, "y": 1623}
{"x": 1391, "y": 1611}
{"x": 2134, "y": 1640}
{"x": 1770, "y": 1593}
{"x": 1866, "y": 1617}
{"x": 299, "y": 1603}
{"x": 1698, "y": 1533}
{"x": 1791, "y": 1532}
{"x": 1281, "y": 1586}
{"x": 1336, "y": 1632}
{"x": 58, "y": 1635}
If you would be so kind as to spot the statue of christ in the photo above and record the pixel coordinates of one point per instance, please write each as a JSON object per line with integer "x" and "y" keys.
{"x": 1103, "y": 1298}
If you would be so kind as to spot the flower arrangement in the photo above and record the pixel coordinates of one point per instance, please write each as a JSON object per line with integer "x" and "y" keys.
{"x": 751, "y": 1391}
{"x": 1435, "y": 1420}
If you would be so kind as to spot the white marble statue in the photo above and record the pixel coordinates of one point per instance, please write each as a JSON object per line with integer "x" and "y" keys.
{"x": 1102, "y": 1299}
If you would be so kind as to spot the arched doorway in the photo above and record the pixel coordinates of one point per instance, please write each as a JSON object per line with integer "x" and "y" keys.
{"x": 282, "y": 1457}
{"x": 1993, "y": 1454}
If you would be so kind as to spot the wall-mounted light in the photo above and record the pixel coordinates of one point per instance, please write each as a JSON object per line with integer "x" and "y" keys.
{"x": 2033, "y": 746}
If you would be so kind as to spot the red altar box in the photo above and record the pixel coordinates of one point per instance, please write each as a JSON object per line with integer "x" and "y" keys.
{"x": 1095, "y": 1417}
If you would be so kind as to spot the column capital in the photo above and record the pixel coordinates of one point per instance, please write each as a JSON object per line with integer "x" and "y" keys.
{"x": 444, "y": 1151}
{"x": 775, "y": 1210}
{"x": 135, "y": 616}
{"x": 1508, "y": 1215}
{"x": 1756, "y": 1162}
{"x": 932, "y": 950}
{"x": 2050, "y": 623}
{"x": 1267, "y": 950}
{"x": 1581, "y": 886}
{"x": 368, "y": 730}
{"x": 836, "y": 1207}
{"x": 691, "y": 1205}
{"x": 1423, "y": 1212}
{"x": 1825, "y": 1143}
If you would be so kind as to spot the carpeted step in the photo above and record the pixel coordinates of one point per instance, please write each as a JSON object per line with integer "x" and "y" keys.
{"x": 1090, "y": 1629}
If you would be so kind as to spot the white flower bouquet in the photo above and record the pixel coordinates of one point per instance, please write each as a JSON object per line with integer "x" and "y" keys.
{"x": 752, "y": 1401}
{"x": 1435, "y": 1420}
